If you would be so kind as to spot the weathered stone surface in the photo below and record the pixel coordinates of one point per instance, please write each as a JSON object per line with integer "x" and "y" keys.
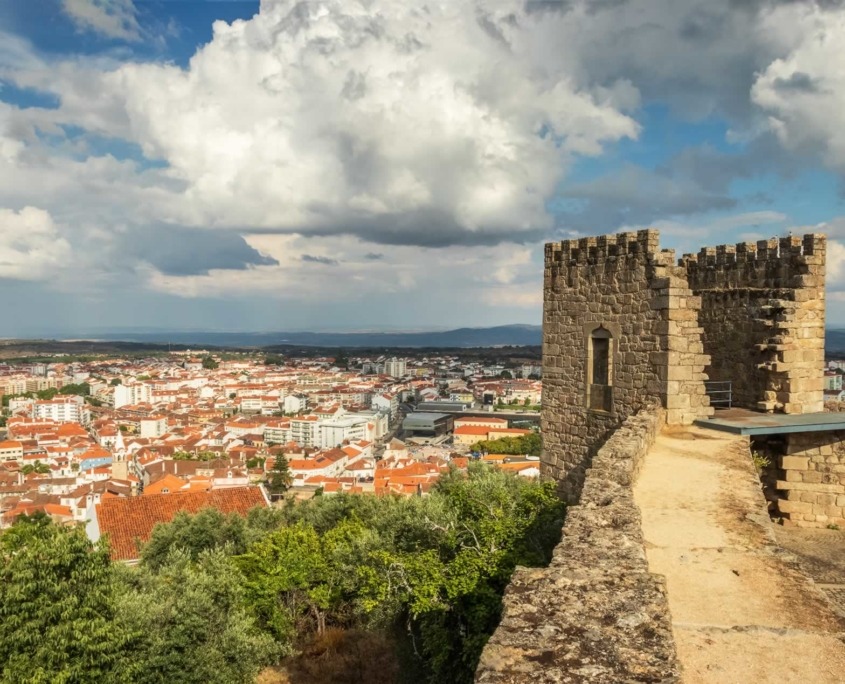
{"x": 595, "y": 614}
{"x": 624, "y": 284}
{"x": 762, "y": 313}
{"x": 815, "y": 471}
{"x": 752, "y": 314}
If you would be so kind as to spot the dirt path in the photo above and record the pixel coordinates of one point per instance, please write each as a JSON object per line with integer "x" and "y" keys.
{"x": 740, "y": 612}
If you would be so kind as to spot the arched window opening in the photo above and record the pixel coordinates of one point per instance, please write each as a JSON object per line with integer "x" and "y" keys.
{"x": 600, "y": 370}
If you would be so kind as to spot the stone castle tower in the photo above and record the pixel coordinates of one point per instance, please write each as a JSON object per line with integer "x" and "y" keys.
{"x": 624, "y": 324}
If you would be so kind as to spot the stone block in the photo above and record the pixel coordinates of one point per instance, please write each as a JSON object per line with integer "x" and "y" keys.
{"x": 811, "y": 487}
{"x": 785, "y": 506}
{"x": 795, "y": 463}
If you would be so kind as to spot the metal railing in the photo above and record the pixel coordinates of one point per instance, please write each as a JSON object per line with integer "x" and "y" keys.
{"x": 720, "y": 392}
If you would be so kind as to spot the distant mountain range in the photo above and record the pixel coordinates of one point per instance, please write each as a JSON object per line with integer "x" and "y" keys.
{"x": 834, "y": 341}
{"x": 498, "y": 336}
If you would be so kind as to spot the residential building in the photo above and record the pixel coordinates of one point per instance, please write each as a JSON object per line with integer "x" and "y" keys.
{"x": 137, "y": 393}
{"x": 11, "y": 450}
{"x": 153, "y": 426}
{"x": 62, "y": 410}
{"x": 396, "y": 368}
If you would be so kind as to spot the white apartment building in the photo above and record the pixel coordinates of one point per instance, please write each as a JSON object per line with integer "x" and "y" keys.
{"x": 334, "y": 431}
{"x": 386, "y": 401}
{"x": 10, "y": 451}
{"x": 62, "y": 410}
{"x": 153, "y": 427}
{"x": 278, "y": 434}
{"x": 294, "y": 403}
{"x": 396, "y": 368}
{"x": 21, "y": 405}
{"x": 305, "y": 430}
{"x": 139, "y": 393}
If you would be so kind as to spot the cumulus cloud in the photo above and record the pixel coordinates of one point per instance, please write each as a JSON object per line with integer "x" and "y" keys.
{"x": 180, "y": 251}
{"x": 804, "y": 92}
{"x": 635, "y": 195}
{"x": 423, "y": 278}
{"x": 690, "y": 236}
{"x": 395, "y": 122}
{"x": 31, "y": 247}
{"x": 111, "y": 18}
{"x": 380, "y": 131}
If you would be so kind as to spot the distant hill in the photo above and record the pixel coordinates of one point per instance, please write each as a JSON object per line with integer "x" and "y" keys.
{"x": 503, "y": 335}
{"x": 834, "y": 342}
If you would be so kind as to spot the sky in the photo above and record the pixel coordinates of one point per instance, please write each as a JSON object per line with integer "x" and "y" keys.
{"x": 391, "y": 164}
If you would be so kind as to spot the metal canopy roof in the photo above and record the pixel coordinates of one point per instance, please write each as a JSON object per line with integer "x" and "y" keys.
{"x": 743, "y": 422}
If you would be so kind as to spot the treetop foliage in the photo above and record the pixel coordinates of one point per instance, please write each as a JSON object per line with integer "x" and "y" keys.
{"x": 215, "y": 597}
{"x": 524, "y": 445}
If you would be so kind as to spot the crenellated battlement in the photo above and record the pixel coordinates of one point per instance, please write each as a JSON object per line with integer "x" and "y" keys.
{"x": 787, "y": 262}
{"x": 751, "y": 314}
{"x": 593, "y": 250}
{"x": 786, "y": 249}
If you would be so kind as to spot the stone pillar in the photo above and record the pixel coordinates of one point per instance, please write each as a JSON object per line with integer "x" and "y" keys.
{"x": 812, "y": 484}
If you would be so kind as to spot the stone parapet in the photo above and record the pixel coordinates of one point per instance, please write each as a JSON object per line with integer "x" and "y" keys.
{"x": 595, "y": 614}
{"x": 811, "y": 484}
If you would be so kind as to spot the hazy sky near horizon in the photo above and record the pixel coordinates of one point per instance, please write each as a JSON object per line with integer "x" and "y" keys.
{"x": 356, "y": 164}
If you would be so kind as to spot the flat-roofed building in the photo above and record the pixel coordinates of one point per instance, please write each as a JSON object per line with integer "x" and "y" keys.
{"x": 424, "y": 424}
{"x": 11, "y": 450}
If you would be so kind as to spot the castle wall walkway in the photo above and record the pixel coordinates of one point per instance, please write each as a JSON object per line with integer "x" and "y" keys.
{"x": 740, "y": 611}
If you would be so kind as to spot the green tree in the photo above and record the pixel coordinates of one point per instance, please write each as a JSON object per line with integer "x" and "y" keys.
{"x": 189, "y": 625}
{"x": 209, "y": 363}
{"x": 530, "y": 445}
{"x": 279, "y": 478}
{"x": 298, "y": 580}
{"x": 273, "y": 360}
{"x": 37, "y": 467}
{"x": 506, "y": 374}
{"x": 56, "y": 606}
{"x": 255, "y": 462}
{"x": 487, "y": 522}
{"x": 82, "y": 389}
{"x": 207, "y": 530}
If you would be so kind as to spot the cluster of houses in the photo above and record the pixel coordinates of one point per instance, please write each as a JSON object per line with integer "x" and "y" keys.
{"x": 148, "y": 438}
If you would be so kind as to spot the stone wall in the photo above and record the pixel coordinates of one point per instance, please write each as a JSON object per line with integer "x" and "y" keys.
{"x": 625, "y": 285}
{"x": 762, "y": 316}
{"x": 812, "y": 484}
{"x": 595, "y": 614}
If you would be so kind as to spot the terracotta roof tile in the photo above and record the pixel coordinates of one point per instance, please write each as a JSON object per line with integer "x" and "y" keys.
{"x": 128, "y": 521}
